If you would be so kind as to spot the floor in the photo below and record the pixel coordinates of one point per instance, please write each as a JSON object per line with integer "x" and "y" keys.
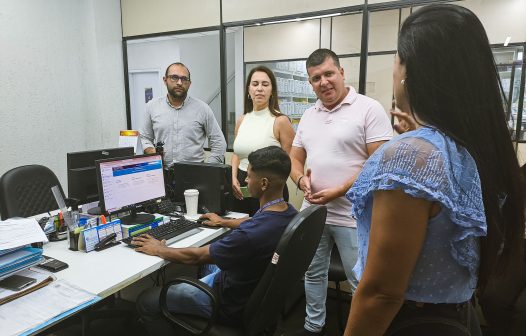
{"x": 129, "y": 326}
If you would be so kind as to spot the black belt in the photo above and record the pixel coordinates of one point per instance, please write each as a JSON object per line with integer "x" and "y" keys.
{"x": 457, "y": 306}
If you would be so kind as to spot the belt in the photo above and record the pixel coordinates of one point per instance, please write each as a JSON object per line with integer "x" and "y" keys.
{"x": 417, "y": 304}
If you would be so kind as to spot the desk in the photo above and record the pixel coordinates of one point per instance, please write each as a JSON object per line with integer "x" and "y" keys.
{"x": 108, "y": 271}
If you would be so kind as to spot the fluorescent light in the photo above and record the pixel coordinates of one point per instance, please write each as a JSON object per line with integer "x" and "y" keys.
{"x": 281, "y": 21}
{"x": 508, "y": 39}
{"x": 322, "y": 16}
{"x": 303, "y": 19}
{"x": 520, "y": 55}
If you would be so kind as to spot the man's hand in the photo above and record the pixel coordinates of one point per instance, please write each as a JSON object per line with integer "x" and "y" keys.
{"x": 211, "y": 219}
{"x": 147, "y": 244}
{"x": 236, "y": 189}
{"x": 304, "y": 184}
{"x": 325, "y": 196}
{"x": 149, "y": 150}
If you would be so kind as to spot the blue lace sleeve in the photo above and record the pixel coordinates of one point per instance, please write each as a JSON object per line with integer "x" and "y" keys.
{"x": 428, "y": 165}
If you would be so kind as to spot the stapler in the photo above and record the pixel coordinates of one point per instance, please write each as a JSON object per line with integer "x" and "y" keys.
{"x": 106, "y": 242}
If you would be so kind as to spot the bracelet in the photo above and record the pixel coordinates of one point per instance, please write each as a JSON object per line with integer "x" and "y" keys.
{"x": 299, "y": 180}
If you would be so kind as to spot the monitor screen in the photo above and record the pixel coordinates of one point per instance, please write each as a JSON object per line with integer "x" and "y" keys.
{"x": 126, "y": 183}
{"x": 82, "y": 180}
{"x": 213, "y": 180}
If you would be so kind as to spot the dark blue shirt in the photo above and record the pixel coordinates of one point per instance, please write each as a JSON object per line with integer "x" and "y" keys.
{"x": 243, "y": 257}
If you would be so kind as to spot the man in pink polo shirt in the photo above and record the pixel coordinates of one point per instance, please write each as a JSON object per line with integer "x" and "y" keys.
{"x": 334, "y": 139}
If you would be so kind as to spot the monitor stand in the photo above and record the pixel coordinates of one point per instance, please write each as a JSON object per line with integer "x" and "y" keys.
{"x": 136, "y": 218}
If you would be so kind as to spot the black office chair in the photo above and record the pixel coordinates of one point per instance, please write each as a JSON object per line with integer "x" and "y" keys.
{"x": 337, "y": 275}
{"x": 26, "y": 191}
{"x": 265, "y": 306}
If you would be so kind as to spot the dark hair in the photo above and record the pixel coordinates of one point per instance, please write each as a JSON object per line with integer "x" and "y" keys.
{"x": 452, "y": 84}
{"x": 273, "y": 104}
{"x": 319, "y": 56}
{"x": 177, "y": 63}
{"x": 270, "y": 160}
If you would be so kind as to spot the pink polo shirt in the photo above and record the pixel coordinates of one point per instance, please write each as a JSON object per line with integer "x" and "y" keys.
{"x": 335, "y": 142}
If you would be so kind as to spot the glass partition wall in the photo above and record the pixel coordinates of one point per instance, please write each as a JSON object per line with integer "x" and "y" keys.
{"x": 148, "y": 58}
{"x": 283, "y": 46}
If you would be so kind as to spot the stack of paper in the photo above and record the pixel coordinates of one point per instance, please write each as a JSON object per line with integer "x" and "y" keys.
{"x": 15, "y": 236}
{"x": 43, "y": 307}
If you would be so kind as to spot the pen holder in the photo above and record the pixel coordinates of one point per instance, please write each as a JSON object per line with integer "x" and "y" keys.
{"x": 71, "y": 218}
{"x": 73, "y": 240}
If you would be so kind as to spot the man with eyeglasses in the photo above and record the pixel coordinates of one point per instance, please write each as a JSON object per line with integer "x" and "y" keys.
{"x": 181, "y": 122}
{"x": 334, "y": 139}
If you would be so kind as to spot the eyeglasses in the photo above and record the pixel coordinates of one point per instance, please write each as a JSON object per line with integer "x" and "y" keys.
{"x": 175, "y": 78}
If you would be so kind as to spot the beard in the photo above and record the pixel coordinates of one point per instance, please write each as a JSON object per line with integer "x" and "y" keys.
{"x": 178, "y": 95}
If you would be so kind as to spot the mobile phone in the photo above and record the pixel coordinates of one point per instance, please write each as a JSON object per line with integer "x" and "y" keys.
{"x": 16, "y": 282}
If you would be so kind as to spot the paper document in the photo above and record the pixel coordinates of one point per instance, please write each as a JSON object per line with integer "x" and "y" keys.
{"x": 43, "y": 278}
{"x": 20, "y": 232}
{"x": 40, "y": 306}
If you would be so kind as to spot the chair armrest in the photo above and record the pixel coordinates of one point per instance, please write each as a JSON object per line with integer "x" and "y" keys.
{"x": 180, "y": 322}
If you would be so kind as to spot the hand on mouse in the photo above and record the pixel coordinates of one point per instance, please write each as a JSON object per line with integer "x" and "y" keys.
{"x": 211, "y": 219}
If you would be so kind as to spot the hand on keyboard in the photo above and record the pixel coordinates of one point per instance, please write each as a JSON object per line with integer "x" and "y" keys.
{"x": 147, "y": 244}
{"x": 173, "y": 231}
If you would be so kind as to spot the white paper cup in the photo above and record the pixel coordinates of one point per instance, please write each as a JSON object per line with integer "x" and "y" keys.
{"x": 191, "y": 198}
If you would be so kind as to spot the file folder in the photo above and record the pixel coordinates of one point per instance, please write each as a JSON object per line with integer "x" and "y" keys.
{"x": 19, "y": 259}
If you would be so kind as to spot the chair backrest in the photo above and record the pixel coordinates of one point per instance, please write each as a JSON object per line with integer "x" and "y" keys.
{"x": 291, "y": 259}
{"x": 26, "y": 191}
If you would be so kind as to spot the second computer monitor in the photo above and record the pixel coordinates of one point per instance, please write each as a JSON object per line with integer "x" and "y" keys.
{"x": 213, "y": 180}
{"x": 82, "y": 180}
{"x": 125, "y": 184}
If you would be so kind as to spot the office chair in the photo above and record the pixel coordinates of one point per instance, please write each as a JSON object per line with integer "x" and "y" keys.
{"x": 264, "y": 308}
{"x": 337, "y": 275}
{"x": 26, "y": 191}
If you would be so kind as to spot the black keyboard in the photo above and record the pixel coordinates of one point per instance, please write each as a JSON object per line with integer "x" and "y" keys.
{"x": 173, "y": 231}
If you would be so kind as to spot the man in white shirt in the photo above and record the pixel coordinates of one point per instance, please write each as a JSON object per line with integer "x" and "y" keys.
{"x": 334, "y": 139}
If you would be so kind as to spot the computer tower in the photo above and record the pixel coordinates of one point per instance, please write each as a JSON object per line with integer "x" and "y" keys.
{"x": 213, "y": 180}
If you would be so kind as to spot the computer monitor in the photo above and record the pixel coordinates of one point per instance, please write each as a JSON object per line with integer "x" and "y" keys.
{"x": 128, "y": 183}
{"x": 213, "y": 180}
{"x": 82, "y": 180}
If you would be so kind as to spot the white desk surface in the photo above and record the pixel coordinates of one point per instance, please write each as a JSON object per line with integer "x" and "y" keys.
{"x": 108, "y": 271}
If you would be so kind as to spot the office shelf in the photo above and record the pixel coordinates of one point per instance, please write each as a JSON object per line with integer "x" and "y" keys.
{"x": 294, "y": 90}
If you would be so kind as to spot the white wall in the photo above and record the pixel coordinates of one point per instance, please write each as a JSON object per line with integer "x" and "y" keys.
{"x": 141, "y": 17}
{"x": 200, "y": 53}
{"x": 282, "y": 41}
{"x": 61, "y": 78}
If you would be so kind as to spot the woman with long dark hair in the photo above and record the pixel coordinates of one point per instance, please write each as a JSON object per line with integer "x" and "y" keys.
{"x": 260, "y": 126}
{"x": 439, "y": 209}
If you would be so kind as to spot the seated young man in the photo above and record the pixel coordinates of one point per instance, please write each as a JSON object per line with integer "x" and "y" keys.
{"x": 241, "y": 256}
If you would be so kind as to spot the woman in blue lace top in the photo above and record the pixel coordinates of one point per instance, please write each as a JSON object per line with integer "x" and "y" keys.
{"x": 439, "y": 209}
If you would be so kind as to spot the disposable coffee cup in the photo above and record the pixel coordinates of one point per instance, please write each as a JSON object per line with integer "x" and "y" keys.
{"x": 191, "y": 197}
